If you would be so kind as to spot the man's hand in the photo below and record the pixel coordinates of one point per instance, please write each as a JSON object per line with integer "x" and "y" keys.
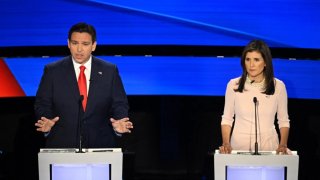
{"x": 44, "y": 124}
{"x": 122, "y": 125}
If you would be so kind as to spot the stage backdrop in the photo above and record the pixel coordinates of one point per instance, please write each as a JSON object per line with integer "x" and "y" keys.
{"x": 285, "y": 23}
{"x": 193, "y": 76}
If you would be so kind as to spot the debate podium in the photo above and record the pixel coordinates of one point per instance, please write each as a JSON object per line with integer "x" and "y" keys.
{"x": 93, "y": 164}
{"x": 241, "y": 165}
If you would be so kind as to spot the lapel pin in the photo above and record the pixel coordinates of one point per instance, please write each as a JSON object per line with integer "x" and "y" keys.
{"x": 100, "y": 73}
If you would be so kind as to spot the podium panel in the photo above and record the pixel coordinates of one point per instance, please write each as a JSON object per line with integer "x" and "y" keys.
{"x": 266, "y": 166}
{"x": 93, "y": 164}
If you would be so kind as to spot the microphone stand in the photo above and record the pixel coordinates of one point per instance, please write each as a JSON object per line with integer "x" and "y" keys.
{"x": 80, "y": 124}
{"x": 256, "y": 131}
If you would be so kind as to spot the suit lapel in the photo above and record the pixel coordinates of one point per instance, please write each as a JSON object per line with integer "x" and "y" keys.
{"x": 93, "y": 83}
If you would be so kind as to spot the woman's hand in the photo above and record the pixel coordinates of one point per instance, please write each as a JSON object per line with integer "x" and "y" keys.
{"x": 225, "y": 148}
{"x": 282, "y": 149}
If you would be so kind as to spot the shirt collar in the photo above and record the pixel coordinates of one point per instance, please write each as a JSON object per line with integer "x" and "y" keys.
{"x": 87, "y": 64}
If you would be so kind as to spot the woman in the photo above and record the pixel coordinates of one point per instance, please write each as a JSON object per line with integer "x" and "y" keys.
{"x": 257, "y": 83}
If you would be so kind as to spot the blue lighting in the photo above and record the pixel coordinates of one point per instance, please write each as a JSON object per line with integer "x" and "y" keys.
{"x": 194, "y": 76}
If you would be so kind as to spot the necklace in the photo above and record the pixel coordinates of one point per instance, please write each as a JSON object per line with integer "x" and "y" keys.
{"x": 255, "y": 84}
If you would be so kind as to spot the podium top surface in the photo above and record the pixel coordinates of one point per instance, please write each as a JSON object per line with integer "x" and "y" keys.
{"x": 241, "y": 152}
{"x": 74, "y": 150}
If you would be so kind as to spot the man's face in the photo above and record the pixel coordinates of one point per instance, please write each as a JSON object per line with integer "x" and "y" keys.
{"x": 81, "y": 46}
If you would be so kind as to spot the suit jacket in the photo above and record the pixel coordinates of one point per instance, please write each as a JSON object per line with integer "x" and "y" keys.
{"x": 58, "y": 95}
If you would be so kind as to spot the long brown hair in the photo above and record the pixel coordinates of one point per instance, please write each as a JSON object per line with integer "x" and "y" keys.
{"x": 263, "y": 49}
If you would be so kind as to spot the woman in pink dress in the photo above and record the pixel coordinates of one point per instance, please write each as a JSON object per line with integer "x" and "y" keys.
{"x": 256, "y": 96}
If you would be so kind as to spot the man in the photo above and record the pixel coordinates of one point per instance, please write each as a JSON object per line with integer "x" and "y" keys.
{"x": 81, "y": 95}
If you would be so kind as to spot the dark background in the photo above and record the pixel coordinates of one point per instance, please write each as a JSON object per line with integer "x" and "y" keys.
{"x": 173, "y": 138}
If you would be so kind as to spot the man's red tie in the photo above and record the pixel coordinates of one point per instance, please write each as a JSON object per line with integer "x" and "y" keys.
{"x": 82, "y": 83}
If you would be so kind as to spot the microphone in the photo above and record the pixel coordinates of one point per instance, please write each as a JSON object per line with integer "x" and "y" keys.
{"x": 251, "y": 83}
{"x": 81, "y": 98}
{"x": 80, "y": 123}
{"x": 255, "y": 122}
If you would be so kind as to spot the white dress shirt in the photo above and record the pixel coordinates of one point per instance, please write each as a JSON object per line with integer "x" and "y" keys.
{"x": 87, "y": 71}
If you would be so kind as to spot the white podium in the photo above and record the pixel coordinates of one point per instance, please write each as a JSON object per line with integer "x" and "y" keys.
{"x": 243, "y": 165}
{"x": 91, "y": 165}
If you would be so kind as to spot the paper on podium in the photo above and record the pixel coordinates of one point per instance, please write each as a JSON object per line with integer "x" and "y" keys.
{"x": 104, "y": 150}
{"x": 250, "y": 153}
{"x": 51, "y": 150}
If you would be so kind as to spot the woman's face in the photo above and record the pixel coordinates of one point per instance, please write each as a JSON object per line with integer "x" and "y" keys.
{"x": 255, "y": 64}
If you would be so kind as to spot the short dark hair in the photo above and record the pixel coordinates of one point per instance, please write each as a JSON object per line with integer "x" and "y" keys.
{"x": 83, "y": 27}
{"x": 263, "y": 49}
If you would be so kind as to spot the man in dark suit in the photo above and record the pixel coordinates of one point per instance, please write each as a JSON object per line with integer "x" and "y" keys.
{"x": 61, "y": 102}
